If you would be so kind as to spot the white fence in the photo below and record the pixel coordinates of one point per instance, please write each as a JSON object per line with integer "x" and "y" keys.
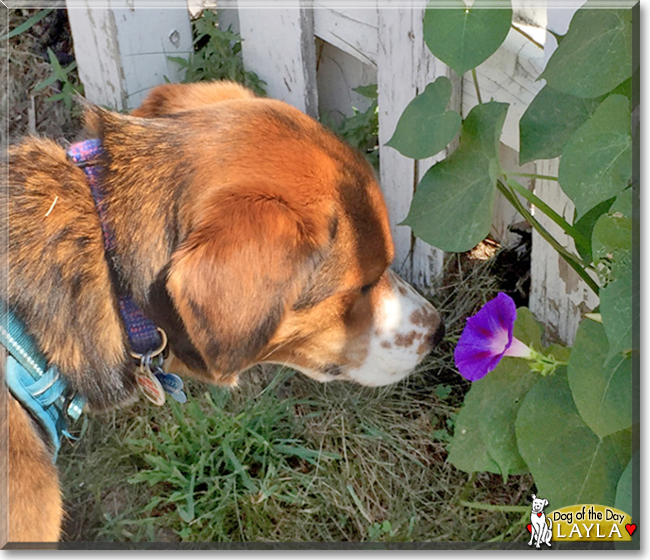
{"x": 311, "y": 55}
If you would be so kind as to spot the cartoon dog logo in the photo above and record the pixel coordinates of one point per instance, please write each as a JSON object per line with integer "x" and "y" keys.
{"x": 538, "y": 527}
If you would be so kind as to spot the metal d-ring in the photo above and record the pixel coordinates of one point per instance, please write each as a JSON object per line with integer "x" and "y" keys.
{"x": 157, "y": 351}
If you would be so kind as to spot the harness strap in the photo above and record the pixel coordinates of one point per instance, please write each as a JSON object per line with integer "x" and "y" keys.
{"x": 42, "y": 390}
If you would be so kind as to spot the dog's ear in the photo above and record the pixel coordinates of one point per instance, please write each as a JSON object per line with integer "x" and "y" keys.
{"x": 534, "y": 497}
{"x": 545, "y": 502}
{"x": 242, "y": 266}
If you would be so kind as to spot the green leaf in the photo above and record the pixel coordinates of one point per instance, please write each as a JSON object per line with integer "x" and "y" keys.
{"x": 182, "y": 62}
{"x": 46, "y": 82}
{"x": 595, "y": 55}
{"x": 550, "y": 121}
{"x": 597, "y": 162}
{"x": 425, "y": 128}
{"x": 369, "y": 91}
{"x": 468, "y": 449}
{"x": 612, "y": 234}
{"x": 465, "y": 37}
{"x": 601, "y": 388}
{"x": 452, "y": 206}
{"x": 56, "y": 65}
{"x": 527, "y": 329}
{"x": 624, "y": 89}
{"x": 585, "y": 227}
{"x": 247, "y": 481}
{"x": 623, "y": 499}
{"x": 503, "y": 392}
{"x": 623, "y": 204}
{"x": 569, "y": 463}
{"x": 26, "y": 24}
{"x": 612, "y": 251}
{"x": 616, "y": 308}
{"x": 622, "y": 442}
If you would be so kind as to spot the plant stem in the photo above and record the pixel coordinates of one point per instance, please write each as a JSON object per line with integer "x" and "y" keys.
{"x": 527, "y": 36}
{"x": 577, "y": 236}
{"x": 478, "y": 91}
{"x": 572, "y": 260}
{"x": 532, "y": 176}
{"x": 490, "y": 507}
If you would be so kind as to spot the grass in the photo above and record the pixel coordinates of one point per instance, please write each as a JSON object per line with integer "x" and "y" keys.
{"x": 286, "y": 459}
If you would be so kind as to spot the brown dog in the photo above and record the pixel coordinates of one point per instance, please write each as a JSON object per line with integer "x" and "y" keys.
{"x": 243, "y": 228}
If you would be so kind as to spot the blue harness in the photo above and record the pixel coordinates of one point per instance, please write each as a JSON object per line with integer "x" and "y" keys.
{"x": 43, "y": 390}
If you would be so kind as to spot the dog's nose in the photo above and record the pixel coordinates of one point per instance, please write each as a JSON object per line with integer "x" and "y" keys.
{"x": 437, "y": 337}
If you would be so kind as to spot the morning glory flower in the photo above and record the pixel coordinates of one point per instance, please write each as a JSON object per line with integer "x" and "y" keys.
{"x": 487, "y": 338}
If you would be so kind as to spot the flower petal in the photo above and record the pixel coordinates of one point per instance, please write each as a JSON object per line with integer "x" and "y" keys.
{"x": 518, "y": 349}
{"x": 475, "y": 364}
{"x": 486, "y": 337}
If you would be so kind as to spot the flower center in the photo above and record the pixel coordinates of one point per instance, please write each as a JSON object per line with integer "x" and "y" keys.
{"x": 499, "y": 341}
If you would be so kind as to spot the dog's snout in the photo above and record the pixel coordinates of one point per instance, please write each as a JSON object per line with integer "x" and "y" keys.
{"x": 437, "y": 337}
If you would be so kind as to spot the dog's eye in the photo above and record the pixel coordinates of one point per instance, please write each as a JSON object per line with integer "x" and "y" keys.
{"x": 365, "y": 289}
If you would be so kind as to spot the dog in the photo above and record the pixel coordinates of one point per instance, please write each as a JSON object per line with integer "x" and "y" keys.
{"x": 243, "y": 228}
{"x": 539, "y": 527}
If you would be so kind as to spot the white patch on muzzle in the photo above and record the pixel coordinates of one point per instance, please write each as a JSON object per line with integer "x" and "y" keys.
{"x": 404, "y": 326}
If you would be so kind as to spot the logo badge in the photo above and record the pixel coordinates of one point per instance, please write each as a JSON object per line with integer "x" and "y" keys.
{"x": 540, "y": 525}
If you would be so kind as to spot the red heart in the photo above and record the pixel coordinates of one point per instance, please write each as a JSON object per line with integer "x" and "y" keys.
{"x": 530, "y": 528}
{"x": 631, "y": 528}
{"x": 539, "y": 514}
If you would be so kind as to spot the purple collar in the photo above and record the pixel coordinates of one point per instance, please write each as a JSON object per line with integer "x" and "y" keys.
{"x": 143, "y": 334}
{"x": 147, "y": 341}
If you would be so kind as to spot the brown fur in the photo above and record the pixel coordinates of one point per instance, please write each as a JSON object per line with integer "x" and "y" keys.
{"x": 243, "y": 228}
{"x": 175, "y": 98}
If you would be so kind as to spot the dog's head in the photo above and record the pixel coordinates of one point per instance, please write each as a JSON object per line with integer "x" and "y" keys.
{"x": 538, "y": 504}
{"x": 286, "y": 247}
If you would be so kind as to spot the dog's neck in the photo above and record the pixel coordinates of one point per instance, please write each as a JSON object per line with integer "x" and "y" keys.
{"x": 60, "y": 284}
{"x": 145, "y": 182}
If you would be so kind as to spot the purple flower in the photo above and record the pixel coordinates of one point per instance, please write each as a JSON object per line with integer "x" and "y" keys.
{"x": 487, "y": 338}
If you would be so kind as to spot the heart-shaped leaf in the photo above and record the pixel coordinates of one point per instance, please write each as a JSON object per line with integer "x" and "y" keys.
{"x": 569, "y": 463}
{"x": 601, "y": 388}
{"x": 597, "y": 162}
{"x": 425, "y": 127}
{"x": 595, "y": 55}
{"x": 550, "y": 121}
{"x": 468, "y": 450}
{"x": 464, "y": 37}
{"x": 452, "y": 206}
